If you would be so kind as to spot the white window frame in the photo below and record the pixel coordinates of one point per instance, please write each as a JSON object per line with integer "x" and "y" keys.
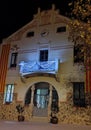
{"x": 8, "y": 95}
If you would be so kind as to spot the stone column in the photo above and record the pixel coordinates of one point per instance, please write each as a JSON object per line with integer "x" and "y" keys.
{"x": 50, "y": 96}
{"x": 32, "y": 97}
{"x": 50, "y": 100}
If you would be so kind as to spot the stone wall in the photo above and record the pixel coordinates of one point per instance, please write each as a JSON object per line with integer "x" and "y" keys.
{"x": 74, "y": 115}
{"x": 67, "y": 112}
{"x": 9, "y": 112}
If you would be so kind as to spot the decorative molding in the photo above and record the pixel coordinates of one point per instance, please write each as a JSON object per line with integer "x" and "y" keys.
{"x": 14, "y": 48}
{"x": 61, "y": 47}
{"x": 44, "y": 32}
{"x": 27, "y": 51}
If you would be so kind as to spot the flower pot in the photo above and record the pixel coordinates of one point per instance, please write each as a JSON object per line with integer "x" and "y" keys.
{"x": 54, "y": 120}
{"x": 21, "y": 118}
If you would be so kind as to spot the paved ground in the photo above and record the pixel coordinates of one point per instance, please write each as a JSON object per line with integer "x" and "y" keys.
{"x": 14, "y": 125}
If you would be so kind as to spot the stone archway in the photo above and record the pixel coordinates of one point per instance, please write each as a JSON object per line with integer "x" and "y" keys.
{"x": 42, "y": 96}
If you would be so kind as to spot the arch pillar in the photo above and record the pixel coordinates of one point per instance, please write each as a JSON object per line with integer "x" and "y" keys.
{"x": 32, "y": 96}
{"x": 50, "y": 99}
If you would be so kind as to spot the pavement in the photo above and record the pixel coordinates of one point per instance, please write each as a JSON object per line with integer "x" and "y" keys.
{"x": 15, "y": 125}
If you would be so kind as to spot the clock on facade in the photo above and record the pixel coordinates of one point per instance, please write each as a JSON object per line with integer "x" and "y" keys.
{"x": 44, "y": 33}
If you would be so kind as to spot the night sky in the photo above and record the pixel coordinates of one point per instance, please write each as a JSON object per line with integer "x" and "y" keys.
{"x": 16, "y": 13}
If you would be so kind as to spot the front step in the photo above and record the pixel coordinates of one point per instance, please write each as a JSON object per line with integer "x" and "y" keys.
{"x": 39, "y": 119}
{"x": 38, "y": 112}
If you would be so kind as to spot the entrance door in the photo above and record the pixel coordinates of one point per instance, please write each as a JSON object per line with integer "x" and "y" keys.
{"x": 41, "y": 99}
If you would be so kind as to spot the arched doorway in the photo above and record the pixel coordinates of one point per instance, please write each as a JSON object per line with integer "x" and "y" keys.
{"x": 43, "y": 96}
{"x": 41, "y": 99}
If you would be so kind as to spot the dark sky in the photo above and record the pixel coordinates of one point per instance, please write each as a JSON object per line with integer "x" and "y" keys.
{"x": 16, "y": 13}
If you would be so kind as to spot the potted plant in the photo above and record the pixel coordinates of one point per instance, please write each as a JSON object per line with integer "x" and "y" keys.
{"x": 20, "y": 110}
{"x": 54, "y": 111}
{"x": 54, "y": 118}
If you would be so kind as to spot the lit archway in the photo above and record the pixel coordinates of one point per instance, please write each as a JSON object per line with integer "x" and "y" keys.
{"x": 43, "y": 97}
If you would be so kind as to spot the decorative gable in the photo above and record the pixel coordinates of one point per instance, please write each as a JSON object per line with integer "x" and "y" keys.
{"x": 41, "y": 19}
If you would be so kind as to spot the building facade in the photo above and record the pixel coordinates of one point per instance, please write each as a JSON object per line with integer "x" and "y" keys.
{"x": 38, "y": 70}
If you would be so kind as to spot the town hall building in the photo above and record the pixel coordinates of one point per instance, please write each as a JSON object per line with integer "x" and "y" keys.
{"x": 38, "y": 70}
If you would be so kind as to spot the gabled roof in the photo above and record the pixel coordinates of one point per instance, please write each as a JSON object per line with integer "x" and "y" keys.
{"x": 42, "y": 18}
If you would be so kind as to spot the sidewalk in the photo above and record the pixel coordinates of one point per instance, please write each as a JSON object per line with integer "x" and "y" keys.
{"x": 14, "y": 125}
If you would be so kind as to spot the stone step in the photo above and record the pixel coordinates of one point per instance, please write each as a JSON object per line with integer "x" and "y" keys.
{"x": 39, "y": 119}
{"x": 40, "y": 112}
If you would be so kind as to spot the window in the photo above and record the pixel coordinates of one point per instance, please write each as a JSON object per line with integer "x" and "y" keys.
{"x": 78, "y": 54}
{"x": 43, "y": 55}
{"x": 78, "y": 94}
{"x": 30, "y": 34}
{"x": 61, "y": 29}
{"x": 8, "y": 96}
{"x": 13, "y": 59}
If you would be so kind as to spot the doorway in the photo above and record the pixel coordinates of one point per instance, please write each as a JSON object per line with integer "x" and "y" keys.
{"x": 40, "y": 97}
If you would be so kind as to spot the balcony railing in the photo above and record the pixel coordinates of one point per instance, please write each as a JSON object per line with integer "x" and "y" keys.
{"x": 31, "y": 67}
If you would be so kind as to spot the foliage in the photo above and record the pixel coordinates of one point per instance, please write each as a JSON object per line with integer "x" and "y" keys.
{"x": 80, "y": 27}
{"x": 20, "y": 108}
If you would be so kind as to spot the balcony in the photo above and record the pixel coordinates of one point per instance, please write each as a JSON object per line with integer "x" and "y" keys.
{"x": 36, "y": 67}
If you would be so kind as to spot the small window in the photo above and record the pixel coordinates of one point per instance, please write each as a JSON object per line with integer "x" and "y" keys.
{"x": 30, "y": 34}
{"x": 43, "y": 55}
{"x": 78, "y": 94}
{"x": 78, "y": 54}
{"x": 61, "y": 29}
{"x": 13, "y": 59}
{"x": 8, "y": 96}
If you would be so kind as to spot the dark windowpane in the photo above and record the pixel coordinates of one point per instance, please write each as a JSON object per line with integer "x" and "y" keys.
{"x": 30, "y": 34}
{"x": 82, "y": 94}
{"x": 61, "y": 29}
{"x": 78, "y": 94}
{"x": 43, "y": 55}
{"x": 13, "y": 59}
